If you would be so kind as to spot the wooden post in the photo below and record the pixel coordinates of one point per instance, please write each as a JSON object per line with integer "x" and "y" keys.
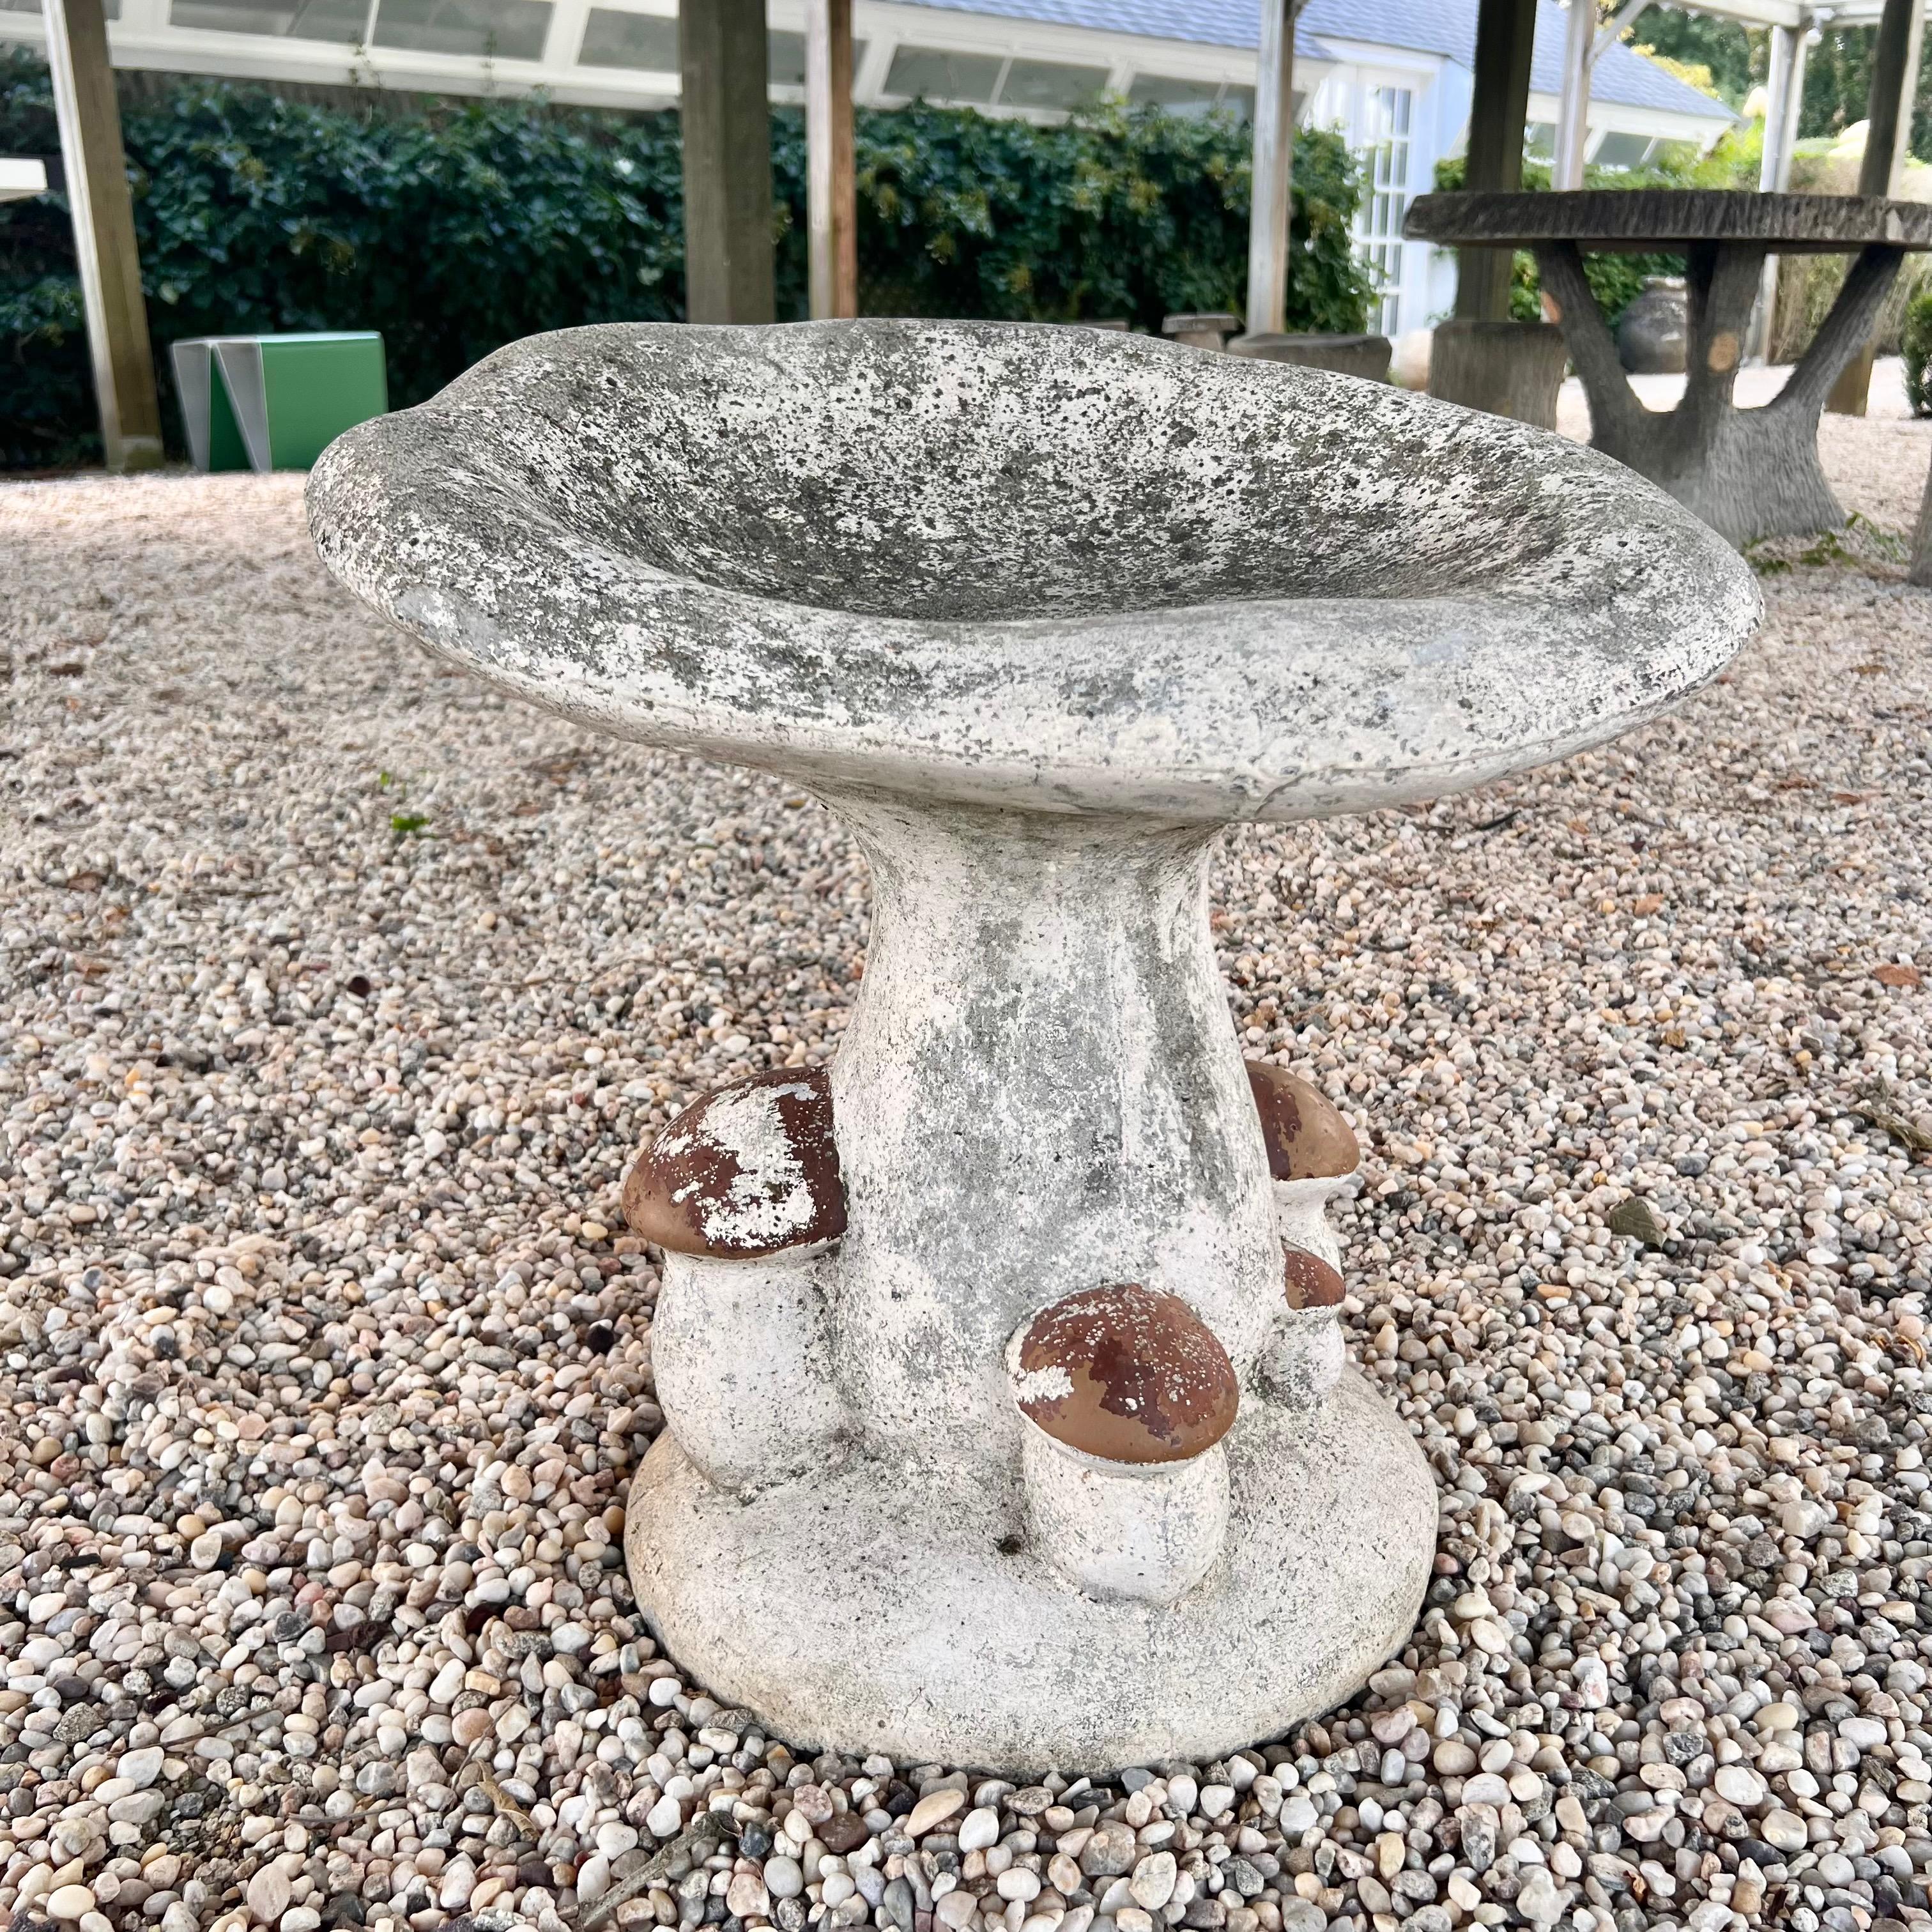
{"x": 729, "y": 266}
{"x": 96, "y": 165}
{"x": 1920, "y": 572}
{"x": 1498, "y": 108}
{"x": 831, "y": 197}
{"x": 1273, "y": 205}
{"x": 1894, "y": 87}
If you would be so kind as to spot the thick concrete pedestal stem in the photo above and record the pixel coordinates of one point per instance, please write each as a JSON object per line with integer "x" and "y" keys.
{"x": 1042, "y": 1039}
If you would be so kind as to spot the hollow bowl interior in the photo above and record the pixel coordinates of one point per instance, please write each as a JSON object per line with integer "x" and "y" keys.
{"x": 941, "y": 472}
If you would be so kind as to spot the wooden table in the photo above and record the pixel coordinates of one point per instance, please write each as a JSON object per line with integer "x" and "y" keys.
{"x": 1748, "y": 473}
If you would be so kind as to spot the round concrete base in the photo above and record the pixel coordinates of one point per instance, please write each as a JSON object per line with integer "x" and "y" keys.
{"x": 882, "y": 1606}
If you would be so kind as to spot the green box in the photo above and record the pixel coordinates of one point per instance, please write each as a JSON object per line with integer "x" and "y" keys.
{"x": 276, "y": 402}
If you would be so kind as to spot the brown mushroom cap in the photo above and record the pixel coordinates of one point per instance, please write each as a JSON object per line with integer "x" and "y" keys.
{"x": 1311, "y": 1282}
{"x": 748, "y": 1171}
{"x": 1307, "y": 1138}
{"x": 1126, "y": 1373}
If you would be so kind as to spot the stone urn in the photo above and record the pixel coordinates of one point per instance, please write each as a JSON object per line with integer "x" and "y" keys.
{"x": 1009, "y": 1422}
{"x": 1654, "y": 332}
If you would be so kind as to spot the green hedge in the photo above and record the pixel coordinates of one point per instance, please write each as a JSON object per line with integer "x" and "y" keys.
{"x": 454, "y": 229}
{"x": 1915, "y": 346}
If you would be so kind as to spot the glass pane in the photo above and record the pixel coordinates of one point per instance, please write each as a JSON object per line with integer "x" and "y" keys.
{"x": 784, "y": 62}
{"x": 1241, "y": 101}
{"x": 493, "y": 29}
{"x": 339, "y": 20}
{"x": 1539, "y": 138}
{"x": 645, "y": 41}
{"x": 930, "y": 74}
{"x": 1622, "y": 150}
{"x": 1032, "y": 83}
{"x": 784, "y": 58}
{"x": 1193, "y": 97}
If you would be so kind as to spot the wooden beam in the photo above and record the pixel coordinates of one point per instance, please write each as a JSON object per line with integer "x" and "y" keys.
{"x": 96, "y": 165}
{"x": 729, "y": 271}
{"x": 1273, "y": 203}
{"x": 1893, "y": 84}
{"x": 832, "y": 203}
{"x": 1498, "y": 112}
{"x": 1894, "y": 87}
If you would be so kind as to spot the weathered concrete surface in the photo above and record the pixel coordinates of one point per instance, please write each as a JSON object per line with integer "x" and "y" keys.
{"x": 1748, "y": 473}
{"x": 1366, "y": 356}
{"x": 1035, "y": 611}
{"x": 1647, "y": 220}
{"x": 1512, "y": 369}
{"x": 1061, "y": 568}
{"x": 884, "y": 1612}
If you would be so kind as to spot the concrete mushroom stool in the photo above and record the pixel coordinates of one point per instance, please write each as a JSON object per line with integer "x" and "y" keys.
{"x": 1199, "y": 332}
{"x": 1036, "y": 611}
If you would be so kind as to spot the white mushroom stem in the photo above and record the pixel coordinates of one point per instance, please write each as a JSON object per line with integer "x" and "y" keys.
{"x": 743, "y": 1365}
{"x": 1123, "y": 1531}
{"x": 1306, "y": 1354}
{"x": 1301, "y": 1215}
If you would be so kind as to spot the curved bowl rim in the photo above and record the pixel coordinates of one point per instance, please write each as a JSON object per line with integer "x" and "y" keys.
{"x": 1225, "y": 709}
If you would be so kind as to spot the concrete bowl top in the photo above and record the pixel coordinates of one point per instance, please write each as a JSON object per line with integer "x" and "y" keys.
{"x": 1058, "y": 568}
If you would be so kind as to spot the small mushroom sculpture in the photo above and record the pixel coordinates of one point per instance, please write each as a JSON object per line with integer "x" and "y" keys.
{"x": 1126, "y": 1394}
{"x": 742, "y": 1192}
{"x": 1312, "y": 1153}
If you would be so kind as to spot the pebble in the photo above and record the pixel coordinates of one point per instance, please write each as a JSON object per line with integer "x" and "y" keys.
{"x": 1740, "y": 1785}
{"x": 318, "y": 1127}
{"x": 1539, "y": 1900}
{"x": 1153, "y": 1883}
{"x": 980, "y": 1827}
{"x": 269, "y": 1895}
{"x": 934, "y": 1808}
{"x": 746, "y": 1896}
{"x": 472, "y": 1727}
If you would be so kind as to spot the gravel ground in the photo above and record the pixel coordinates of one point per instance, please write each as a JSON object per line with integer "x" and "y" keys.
{"x": 337, "y": 992}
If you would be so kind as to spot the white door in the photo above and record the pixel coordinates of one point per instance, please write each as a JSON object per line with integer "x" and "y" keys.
{"x": 1381, "y": 139}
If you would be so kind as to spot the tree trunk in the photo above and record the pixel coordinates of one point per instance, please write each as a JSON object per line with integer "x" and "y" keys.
{"x": 1509, "y": 368}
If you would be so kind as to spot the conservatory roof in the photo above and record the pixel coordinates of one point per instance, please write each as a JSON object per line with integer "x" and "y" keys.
{"x": 1422, "y": 24}
{"x": 1623, "y": 76}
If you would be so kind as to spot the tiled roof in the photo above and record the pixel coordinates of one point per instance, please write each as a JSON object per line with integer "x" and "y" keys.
{"x": 1446, "y": 27}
